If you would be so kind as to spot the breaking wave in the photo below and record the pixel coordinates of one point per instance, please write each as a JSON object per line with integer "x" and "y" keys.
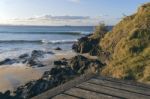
{"x": 39, "y": 41}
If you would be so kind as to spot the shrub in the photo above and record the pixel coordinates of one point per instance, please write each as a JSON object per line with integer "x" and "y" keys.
{"x": 99, "y": 31}
{"x": 129, "y": 44}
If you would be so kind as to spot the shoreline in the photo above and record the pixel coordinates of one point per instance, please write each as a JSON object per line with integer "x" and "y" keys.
{"x": 13, "y": 76}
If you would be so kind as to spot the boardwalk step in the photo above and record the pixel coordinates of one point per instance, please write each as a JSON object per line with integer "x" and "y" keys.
{"x": 91, "y": 86}
{"x": 88, "y": 94}
{"x": 112, "y": 91}
{"x": 133, "y": 83}
{"x": 121, "y": 86}
{"x": 64, "y": 96}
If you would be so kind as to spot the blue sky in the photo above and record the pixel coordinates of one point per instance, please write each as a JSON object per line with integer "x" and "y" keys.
{"x": 66, "y": 12}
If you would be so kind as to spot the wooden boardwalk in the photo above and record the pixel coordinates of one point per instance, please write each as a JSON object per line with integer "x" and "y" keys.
{"x": 98, "y": 87}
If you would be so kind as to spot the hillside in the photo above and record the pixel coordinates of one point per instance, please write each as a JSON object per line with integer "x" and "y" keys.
{"x": 129, "y": 45}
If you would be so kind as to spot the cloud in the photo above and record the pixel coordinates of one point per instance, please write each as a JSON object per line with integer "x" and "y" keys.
{"x": 76, "y": 1}
{"x": 67, "y": 17}
{"x": 60, "y": 20}
{"x": 54, "y": 20}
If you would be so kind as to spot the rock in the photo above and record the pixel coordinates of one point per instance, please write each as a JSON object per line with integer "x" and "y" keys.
{"x": 81, "y": 46}
{"x": 37, "y": 53}
{"x": 34, "y": 62}
{"x": 77, "y": 62}
{"x": 24, "y": 56}
{"x": 58, "y": 48}
{"x": 50, "y": 79}
{"x": 50, "y": 52}
{"x": 85, "y": 44}
{"x": 61, "y": 62}
{"x": 9, "y": 61}
{"x": 90, "y": 43}
{"x": 34, "y": 59}
{"x": 7, "y": 95}
{"x": 81, "y": 64}
{"x": 58, "y": 75}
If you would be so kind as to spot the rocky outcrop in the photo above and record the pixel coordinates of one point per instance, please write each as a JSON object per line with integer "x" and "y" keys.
{"x": 7, "y": 95}
{"x": 86, "y": 45}
{"x": 9, "y": 61}
{"x": 31, "y": 60}
{"x": 81, "y": 64}
{"x": 61, "y": 62}
{"x": 34, "y": 59}
{"x": 90, "y": 43}
{"x": 58, "y": 48}
{"x": 61, "y": 73}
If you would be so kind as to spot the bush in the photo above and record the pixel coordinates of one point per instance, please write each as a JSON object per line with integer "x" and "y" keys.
{"x": 129, "y": 44}
{"x": 99, "y": 31}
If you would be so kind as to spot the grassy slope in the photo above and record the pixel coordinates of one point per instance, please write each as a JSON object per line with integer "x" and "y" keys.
{"x": 129, "y": 43}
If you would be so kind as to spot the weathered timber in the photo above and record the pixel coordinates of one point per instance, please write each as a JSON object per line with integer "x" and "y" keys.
{"x": 64, "y": 96}
{"x": 88, "y": 94}
{"x": 91, "y": 86}
{"x": 121, "y": 86}
{"x": 112, "y": 91}
{"x": 60, "y": 89}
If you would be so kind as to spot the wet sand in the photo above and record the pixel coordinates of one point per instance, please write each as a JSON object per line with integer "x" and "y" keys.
{"x": 18, "y": 74}
{"x": 12, "y": 77}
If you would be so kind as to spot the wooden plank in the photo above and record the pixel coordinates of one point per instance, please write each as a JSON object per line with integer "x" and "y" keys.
{"x": 129, "y": 82}
{"x": 112, "y": 91}
{"x": 64, "y": 96}
{"x": 88, "y": 94}
{"x": 61, "y": 88}
{"x": 136, "y": 89}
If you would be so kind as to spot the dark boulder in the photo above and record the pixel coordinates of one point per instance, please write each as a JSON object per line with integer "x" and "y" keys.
{"x": 37, "y": 53}
{"x": 35, "y": 62}
{"x": 86, "y": 45}
{"x": 34, "y": 59}
{"x": 78, "y": 62}
{"x": 58, "y": 48}
{"x": 50, "y": 79}
{"x": 7, "y": 95}
{"x": 81, "y": 64}
{"x": 61, "y": 62}
{"x": 9, "y": 61}
{"x": 50, "y": 52}
{"x": 24, "y": 56}
{"x": 58, "y": 75}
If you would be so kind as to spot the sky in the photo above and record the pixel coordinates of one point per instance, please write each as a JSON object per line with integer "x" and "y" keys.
{"x": 66, "y": 12}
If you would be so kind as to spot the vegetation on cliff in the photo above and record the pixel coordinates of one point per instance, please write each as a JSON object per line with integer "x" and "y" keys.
{"x": 90, "y": 43}
{"x": 129, "y": 45}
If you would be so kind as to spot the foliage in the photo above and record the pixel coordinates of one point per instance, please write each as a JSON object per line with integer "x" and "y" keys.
{"x": 129, "y": 44}
{"x": 99, "y": 31}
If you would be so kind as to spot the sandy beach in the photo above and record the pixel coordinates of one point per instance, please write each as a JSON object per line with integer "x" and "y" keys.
{"x": 18, "y": 74}
{"x": 12, "y": 77}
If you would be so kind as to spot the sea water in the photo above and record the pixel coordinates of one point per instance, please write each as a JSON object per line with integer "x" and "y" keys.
{"x": 16, "y": 40}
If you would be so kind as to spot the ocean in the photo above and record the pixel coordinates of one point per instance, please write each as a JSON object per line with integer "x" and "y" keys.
{"x": 16, "y": 40}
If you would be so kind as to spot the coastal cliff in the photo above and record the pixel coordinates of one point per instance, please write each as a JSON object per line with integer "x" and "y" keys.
{"x": 129, "y": 45}
{"x": 125, "y": 49}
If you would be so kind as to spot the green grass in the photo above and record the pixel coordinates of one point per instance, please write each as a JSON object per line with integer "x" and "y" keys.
{"x": 99, "y": 31}
{"x": 129, "y": 44}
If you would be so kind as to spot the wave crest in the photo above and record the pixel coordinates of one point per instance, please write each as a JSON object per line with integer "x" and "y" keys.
{"x": 39, "y": 41}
